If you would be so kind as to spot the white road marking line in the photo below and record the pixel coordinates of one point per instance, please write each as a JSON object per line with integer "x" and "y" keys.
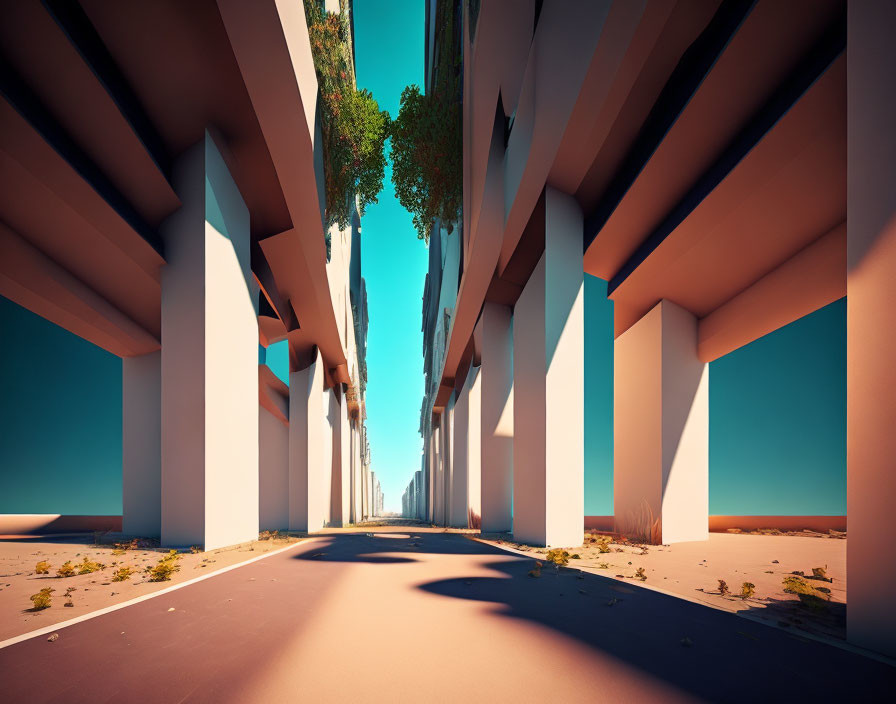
{"x": 136, "y": 600}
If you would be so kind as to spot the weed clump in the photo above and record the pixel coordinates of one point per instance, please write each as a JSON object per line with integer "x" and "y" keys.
{"x": 821, "y": 573}
{"x": 68, "y": 597}
{"x": 42, "y": 599}
{"x": 67, "y": 570}
{"x": 167, "y": 566}
{"x": 747, "y": 589}
{"x": 42, "y": 567}
{"x": 809, "y": 596}
{"x": 558, "y": 557}
{"x": 88, "y": 566}
{"x": 122, "y": 573}
{"x": 723, "y": 588}
{"x": 641, "y": 574}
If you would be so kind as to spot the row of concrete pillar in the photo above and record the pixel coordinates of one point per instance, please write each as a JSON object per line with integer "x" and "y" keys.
{"x": 192, "y": 459}
{"x": 507, "y": 450}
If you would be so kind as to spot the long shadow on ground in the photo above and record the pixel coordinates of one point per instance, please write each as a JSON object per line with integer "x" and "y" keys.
{"x": 709, "y": 653}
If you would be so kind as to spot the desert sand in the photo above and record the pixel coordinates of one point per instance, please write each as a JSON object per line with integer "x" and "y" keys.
{"x": 693, "y": 570}
{"x": 18, "y": 581}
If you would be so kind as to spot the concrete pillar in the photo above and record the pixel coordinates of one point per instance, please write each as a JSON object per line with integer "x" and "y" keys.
{"x": 141, "y": 443}
{"x": 273, "y": 472}
{"x": 209, "y": 360}
{"x": 438, "y": 511}
{"x": 357, "y": 472}
{"x": 548, "y": 371}
{"x": 458, "y": 501}
{"x": 661, "y": 429}
{"x": 430, "y": 474}
{"x": 871, "y": 320}
{"x": 496, "y": 381}
{"x": 447, "y": 447}
{"x": 309, "y": 493}
{"x": 340, "y": 513}
{"x": 420, "y": 503}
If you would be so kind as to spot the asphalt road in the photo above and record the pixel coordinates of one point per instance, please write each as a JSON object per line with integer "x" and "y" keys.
{"x": 418, "y": 616}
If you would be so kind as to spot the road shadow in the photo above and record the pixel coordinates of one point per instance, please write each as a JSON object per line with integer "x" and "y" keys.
{"x": 380, "y": 548}
{"x": 712, "y": 654}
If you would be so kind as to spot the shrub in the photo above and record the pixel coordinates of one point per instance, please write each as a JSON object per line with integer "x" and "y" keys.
{"x": 87, "y": 566}
{"x": 747, "y": 589}
{"x": 809, "y": 596}
{"x": 162, "y": 571}
{"x": 67, "y": 570}
{"x": 42, "y": 567}
{"x": 557, "y": 556}
{"x": 122, "y": 573}
{"x": 641, "y": 574}
{"x": 723, "y": 587}
{"x": 42, "y": 599}
{"x": 821, "y": 573}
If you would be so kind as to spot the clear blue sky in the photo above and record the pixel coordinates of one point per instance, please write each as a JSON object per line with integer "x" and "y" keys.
{"x": 388, "y": 57}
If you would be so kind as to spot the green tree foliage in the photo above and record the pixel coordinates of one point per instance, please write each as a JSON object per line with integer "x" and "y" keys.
{"x": 426, "y": 158}
{"x": 353, "y": 127}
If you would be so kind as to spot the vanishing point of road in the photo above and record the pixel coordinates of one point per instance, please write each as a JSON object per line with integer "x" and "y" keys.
{"x": 410, "y": 614}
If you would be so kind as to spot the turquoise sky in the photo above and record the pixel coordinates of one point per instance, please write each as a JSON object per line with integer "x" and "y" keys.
{"x": 389, "y": 56}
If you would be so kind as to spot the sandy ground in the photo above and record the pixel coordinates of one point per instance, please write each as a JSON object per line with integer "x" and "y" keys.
{"x": 96, "y": 590}
{"x": 693, "y": 571}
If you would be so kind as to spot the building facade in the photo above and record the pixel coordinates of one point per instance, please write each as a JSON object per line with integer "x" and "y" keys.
{"x": 722, "y": 167}
{"x": 179, "y": 224}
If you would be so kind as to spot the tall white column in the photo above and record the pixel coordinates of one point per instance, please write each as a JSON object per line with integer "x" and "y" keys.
{"x": 438, "y": 498}
{"x": 661, "y": 429}
{"x": 870, "y": 321}
{"x": 496, "y": 382}
{"x": 548, "y": 367}
{"x": 341, "y": 489}
{"x": 273, "y": 471}
{"x": 457, "y": 516}
{"x": 209, "y": 360}
{"x": 309, "y": 478}
{"x": 141, "y": 442}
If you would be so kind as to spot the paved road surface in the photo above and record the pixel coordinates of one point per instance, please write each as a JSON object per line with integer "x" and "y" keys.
{"x": 425, "y": 616}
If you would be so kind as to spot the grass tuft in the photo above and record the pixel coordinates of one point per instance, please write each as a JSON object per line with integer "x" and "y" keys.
{"x": 42, "y": 567}
{"x": 67, "y": 570}
{"x": 42, "y": 599}
{"x": 122, "y": 573}
{"x": 88, "y": 566}
{"x": 558, "y": 556}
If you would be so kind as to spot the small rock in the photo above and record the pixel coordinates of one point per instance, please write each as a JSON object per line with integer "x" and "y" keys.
{"x": 171, "y": 609}
{"x": 53, "y": 638}
{"x": 775, "y": 562}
